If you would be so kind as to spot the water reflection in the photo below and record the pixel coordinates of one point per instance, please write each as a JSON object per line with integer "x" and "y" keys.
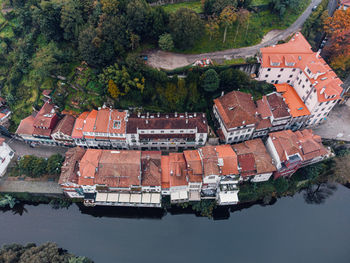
{"x": 314, "y": 194}
{"x": 319, "y": 193}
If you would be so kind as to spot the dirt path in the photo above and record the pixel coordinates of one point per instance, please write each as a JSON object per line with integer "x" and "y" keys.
{"x": 169, "y": 60}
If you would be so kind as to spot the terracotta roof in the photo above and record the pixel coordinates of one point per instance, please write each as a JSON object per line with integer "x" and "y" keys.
{"x": 227, "y": 159}
{"x": 46, "y": 117}
{"x": 236, "y": 109}
{"x": 119, "y": 169}
{"x": 278, "y": 107}
{"x": 194, "y": 165}
{"x": 151, "y": 168}
{"x": 298, "y": 51}
{"x": 79, "y": 125}
{"x": 263, "y": 160}
{"x": 90, "y": 120}
{"x": 70, "y": 165}
{"x": 209, "y": 160}
{"x": 262, "y": 124}
{"x": 263, "y": 108}
{"x": 247, "y": 164}
{"x": 2, "y": 140}
{"x": 165, "y": 172}
{"x": 26, "y": 126}
{"x": 42, "y": 132}
{"x": 311, "y": 144}
{"x": 286, "y": 144}
{"x": 177, "y": 168}
{"x": 65, "y": 125}
{"x": 88, "y": 166}
{"x": 117, "y": 122}
{"x": 102, "y": 121}
{"x": 295, "y": 104}
{"x": 162, "y": 122}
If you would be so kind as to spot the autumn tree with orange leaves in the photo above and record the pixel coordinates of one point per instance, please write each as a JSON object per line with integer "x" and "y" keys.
{"x": 338, "y": 49}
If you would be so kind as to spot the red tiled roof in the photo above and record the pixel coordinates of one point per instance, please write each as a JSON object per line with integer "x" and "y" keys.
{"x": 102, "y": 121}
{"x": 70, "y": 165}
{"x": 46, "y": 117}
{"x": 198, "y": 122}
{"x": 227, "y": 159}
{"x": 88, "y": 166}
{"x": 263, "y": 108}
{"x": 117, "y": 122}
{"x": 263, "y": 160}
{"x": 26, "y": 126}
{"x": 41, "y": 132}
{"x": 236, "y": 109}
{"x": 194, "y": 165}
{"x": 119, "y": 169}
{"x": 65, "y": 125}
{"x": 303, "y": 57}
{"x": 286, "y": 144}
{"x": 79, "y": 125}
{"x": 209, "y": 160}
{"x": 151, "y": 168}
{"x": 247, "y": 164}
{"x": 177, "y": 167}
{"x": 90, "y": 120}
{"x": 278, "y": 107}
{"x": 165, "y": 172}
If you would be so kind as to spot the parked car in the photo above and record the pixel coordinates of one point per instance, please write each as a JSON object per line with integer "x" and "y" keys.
{"x": 314, "y": 8}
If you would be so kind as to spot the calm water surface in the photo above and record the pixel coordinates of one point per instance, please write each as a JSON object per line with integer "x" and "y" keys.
{"x": 288, "y": 231}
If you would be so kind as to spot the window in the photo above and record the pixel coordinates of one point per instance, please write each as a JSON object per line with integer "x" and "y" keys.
{"x": 276, "y": 81}
{"x": 307, "y": 80}
{"x": 266, "y": 76}
{"x": 303, "y": 86}
{"x": 293, "y": 69}
{"x": 303, "y": 97}
{"x": 272, "y": 81}
{"x": 278, "y": 76}
{"x": 290, "y": 76}
{"x": 288, "y": 81}
{"x": 281, "y": 69}
{"x": 116, "y": 124}
{"x": 327, "y": 103}
{"x": 268, "y": 69}
{"x": 318, "y": 115}
{"x": 323, "y": 109}
{"x": 314, "y": 90}
{"x": 299, "y": 82}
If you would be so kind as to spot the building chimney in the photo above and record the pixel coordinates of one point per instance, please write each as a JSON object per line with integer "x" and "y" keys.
{"x": 138, "y": 114}
{"x": 195, "y": 114}
{"x": 158, "y": 114}
{"x": 222, "y": 93}
{"x": 175, "y": 114}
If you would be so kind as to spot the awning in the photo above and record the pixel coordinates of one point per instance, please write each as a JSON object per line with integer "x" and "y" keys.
{"x": 101, "y": 197}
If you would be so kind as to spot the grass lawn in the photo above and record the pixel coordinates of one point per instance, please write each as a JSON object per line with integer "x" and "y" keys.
{"x": 259, "y": 24}
{"x": 195, "y": 6}
{"x": 234, "y": 61}
{"x": 260, "y": 2}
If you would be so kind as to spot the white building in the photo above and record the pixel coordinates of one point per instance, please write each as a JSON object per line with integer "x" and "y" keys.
{"x": 6, "y": 154}
{"x": 314, "y": 81}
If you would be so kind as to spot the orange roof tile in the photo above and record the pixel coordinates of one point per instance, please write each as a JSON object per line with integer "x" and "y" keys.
{"x": 295, "y": 104}
{"x": 165, "y": 172}
{"x": 177, "y": 167}
{"x": 117, "y": 122}
{"x": 90, "y": 120}
{"x": 210, "y": 160}
{"x": 263, "y": 160}
{"x": 151, "y": 168}
{"x": 79, "y": 125}
{"x": 236, "y": 109}
{"x": 227, "y": 159}
{"x": 298, "y": 51}
{"x": 26, "y": 126}
{"x": 102, "y": 121}
{"x": 88, "y": 166}
{"x": 194, "y": 165}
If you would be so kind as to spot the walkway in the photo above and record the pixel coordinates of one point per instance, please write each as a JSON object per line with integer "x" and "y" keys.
{"x": 35, "y": 187}
{"x": 337, "y": 126}
{"x": 169, "y": 60}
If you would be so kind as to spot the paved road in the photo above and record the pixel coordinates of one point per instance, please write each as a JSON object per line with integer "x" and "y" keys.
{"x": 169, "y": 60}
{"x": 337, "y": 126}
{"x": 22, "y": 148}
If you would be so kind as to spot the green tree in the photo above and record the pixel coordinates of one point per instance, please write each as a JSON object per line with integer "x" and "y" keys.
{"x": 137, "y": 14}
{"x": 210, "y": 80}
{"x": 185, "y": 27}
{"x": 227, "y": 17}
{"x": 54, "y": 164}
{"x": 166, "y": 42}
{"x": 47, "y": 61}
{"x": 281, "y": 184}
{"x": 72, "y": 19}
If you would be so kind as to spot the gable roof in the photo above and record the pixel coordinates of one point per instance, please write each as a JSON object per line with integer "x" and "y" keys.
{"x": 227, "y": 159}
{"x": 194, "y": 165}
{"x": 236, "y": 109}
{"x": 65, "y": 125}
{"x": 151, "y": 168}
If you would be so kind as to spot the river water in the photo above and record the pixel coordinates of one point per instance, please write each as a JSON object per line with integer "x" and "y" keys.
{"x": 288, "y": 231}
